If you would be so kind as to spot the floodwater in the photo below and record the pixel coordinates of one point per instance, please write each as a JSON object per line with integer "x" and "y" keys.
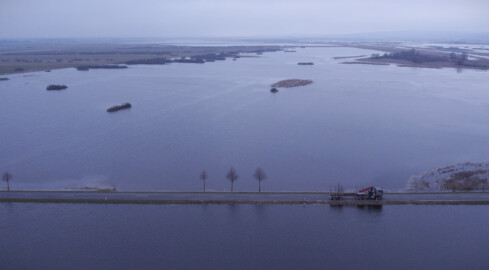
{"x": 84, "y": 236}
{"x": 356, "y": 124}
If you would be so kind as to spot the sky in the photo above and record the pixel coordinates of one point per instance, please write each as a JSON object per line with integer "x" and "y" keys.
{"x": 235, "y": 18}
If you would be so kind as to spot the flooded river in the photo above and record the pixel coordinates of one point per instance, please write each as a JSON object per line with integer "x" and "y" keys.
{"x": 358, "y": 125}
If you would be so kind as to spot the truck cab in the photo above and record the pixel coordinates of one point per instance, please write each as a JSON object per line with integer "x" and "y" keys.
{"x": 370, "y": 193}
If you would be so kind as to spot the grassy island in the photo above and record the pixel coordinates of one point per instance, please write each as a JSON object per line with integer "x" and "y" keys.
{"x": 291, "y": 83}
{"x": 119, "y": 107}
{"x": 56, "y": 87}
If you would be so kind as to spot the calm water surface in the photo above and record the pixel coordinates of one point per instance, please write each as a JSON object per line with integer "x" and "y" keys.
{"x": 356, "y": 124}
{"x": 72, "y": 236}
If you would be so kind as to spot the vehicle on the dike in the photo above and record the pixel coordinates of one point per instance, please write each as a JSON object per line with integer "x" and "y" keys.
{"x": 368, "y": 193}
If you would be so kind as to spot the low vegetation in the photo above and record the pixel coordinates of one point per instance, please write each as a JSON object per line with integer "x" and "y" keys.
{"x": 194, "y": 59}
{"x": 460, "y": 182}
{"x": 4, "y": 79}
{"x": 86, "y": 68}
{"x": 150, "y": 61}
{"x": 468, "y": 176}
{"x": 464, "y": 181}
{"x": 20, "y": 56}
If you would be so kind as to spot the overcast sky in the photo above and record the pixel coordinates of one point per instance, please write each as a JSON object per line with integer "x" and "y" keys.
{"x": 235, "y": 18}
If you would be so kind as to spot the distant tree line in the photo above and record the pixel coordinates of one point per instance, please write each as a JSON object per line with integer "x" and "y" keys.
{"x": 88, "y": 67}
{"x": 417, "y": 57}
{"x": 195, "y": 59}
{"x": 458, "y": 59}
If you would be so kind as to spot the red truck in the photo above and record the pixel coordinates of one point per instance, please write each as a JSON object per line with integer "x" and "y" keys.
{"x": 368, "y": 193}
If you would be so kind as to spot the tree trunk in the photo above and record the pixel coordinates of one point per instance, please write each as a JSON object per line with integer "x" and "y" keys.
{"x": 8, "y": 185}
{"x": 204, "y": 185}
{"x": 232, "y": 186}
{"x": 259, "y": 186}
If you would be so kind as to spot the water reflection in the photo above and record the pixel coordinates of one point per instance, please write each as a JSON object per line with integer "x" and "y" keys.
{"x": 259, "y": 210}
{"x": 337, "y": 207}
{"x": 63, "y": 236}
{"x": 373, "y": 208}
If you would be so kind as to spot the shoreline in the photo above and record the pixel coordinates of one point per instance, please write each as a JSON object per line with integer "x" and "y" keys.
{"x": 233, "y": 198}
{"x": 405, "y": 63}
{"x": 235, "y": 202}
{"x": 108, "y": 191}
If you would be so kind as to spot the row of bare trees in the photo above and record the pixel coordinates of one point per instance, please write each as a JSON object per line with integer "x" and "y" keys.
{"x": 232, "y": 176}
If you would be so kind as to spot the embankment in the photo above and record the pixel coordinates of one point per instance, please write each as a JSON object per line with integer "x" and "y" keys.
{"x": 317, "y": 198}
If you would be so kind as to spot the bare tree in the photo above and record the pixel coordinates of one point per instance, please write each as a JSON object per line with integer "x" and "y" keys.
{"x": 203, "y": 176}
{"x": 6, "y": 177}
{"x": 232, "y": 176}
{"x": 484, "y": 185}
{"x": 260, "y": 176}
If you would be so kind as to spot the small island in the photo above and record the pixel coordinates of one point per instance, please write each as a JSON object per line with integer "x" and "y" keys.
{"x": 274, "y": 90}
{"x": 305, "y": 63}
{"x": 119, "y": 107}
{"x": 4, "y": 79}
{"x": 56, "y": 87}
{"x": 291, "y": 83}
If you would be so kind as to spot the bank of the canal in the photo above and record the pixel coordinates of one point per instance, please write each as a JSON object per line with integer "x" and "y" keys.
{"x": 455, "y": 198}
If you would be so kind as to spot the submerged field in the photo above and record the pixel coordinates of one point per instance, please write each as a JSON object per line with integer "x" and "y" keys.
{"x": 357, "y": 125}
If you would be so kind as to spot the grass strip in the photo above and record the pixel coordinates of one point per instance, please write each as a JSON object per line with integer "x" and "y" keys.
{"x": 324, "y": 202}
